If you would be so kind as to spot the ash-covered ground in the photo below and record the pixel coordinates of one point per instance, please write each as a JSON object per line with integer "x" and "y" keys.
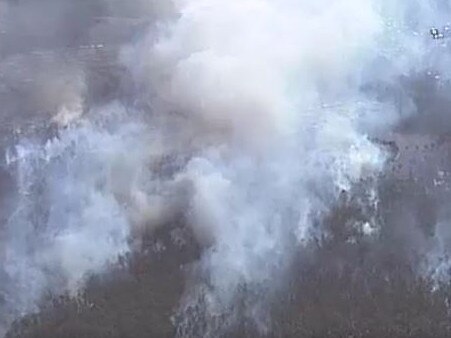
{"x": 203, "y": 168}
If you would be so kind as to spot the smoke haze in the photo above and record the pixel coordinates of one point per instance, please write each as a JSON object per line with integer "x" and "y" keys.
{"x": 248, "y": 121}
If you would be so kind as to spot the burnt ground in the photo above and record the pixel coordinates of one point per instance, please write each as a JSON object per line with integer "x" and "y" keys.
{"x": 345, "y": 284}
{"x": 382, "y": 300}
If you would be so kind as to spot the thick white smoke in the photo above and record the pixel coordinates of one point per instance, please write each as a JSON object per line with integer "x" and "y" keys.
{"x": 269, "y": 100}
{"x": 266, "y": 98}
{"x": 263, "y": 110}
{"x": 74, "y": 210}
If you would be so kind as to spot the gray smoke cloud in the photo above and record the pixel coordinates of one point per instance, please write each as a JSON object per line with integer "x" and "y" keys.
{"x": 248, "y": 119}
{"x": 270, "y": 100}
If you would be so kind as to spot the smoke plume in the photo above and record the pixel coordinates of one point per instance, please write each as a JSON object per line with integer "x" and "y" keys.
{"x": 246, "y": 119}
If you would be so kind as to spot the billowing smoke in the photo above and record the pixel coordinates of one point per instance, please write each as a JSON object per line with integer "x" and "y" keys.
{"x": 248, "y": 119}
{"x": 244, "y": 88}
{"x": 269, "y": 100}
{"x": 67, "y": 221}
